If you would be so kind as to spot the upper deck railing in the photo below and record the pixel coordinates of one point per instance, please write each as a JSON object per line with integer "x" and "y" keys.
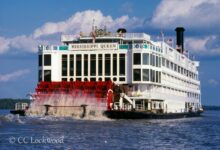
{"x": 69, "y": 37}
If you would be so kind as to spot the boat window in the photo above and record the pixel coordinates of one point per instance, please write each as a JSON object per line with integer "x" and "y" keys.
{"x": 152, "y": 60}
{"x": 152, "y": 75}
{"x": 71, "y": 65}
{"x": 157, "y": 76}
{"x": 137, "y": 74}
{"x": 168, "y": 64}
{"x": 100, "y": 64}
{"x": 39, "y": 60}
{"x": 78, "y": 79}
{"x": 137, "y": 58}
{"x": 40, "y": 75}
{"x": 85, "y": 65}
{"x": 107, "y": 64}
{"x": 114, "y": 64}
{"x": 47, "y": 75}
{"x": 92, "y": 79}
{"x": 47, "y": 60}
{"x": 146, "y": 76}
{"x": 64, "y": 65}
{"x": 78, "y": 65}
{"x": 64, "y": 79}
{"x": 172, "y": 66}
{"x": 107, "y": 79}
{"x": 122, "y": 64}
{"x": 145, "y": 58}
{"x": 121, "y": 79}
{"x": 93, "y": 65}
{"x": 157, "y": 61}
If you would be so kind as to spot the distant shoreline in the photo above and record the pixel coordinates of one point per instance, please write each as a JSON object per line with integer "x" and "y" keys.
{"x": 9, "y": 103}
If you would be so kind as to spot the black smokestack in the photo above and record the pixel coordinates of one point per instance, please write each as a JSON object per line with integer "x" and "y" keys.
{"x": 180, "y": 39}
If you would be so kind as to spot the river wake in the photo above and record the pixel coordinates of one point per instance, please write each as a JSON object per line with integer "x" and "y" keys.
{"x": 68, "y": 106}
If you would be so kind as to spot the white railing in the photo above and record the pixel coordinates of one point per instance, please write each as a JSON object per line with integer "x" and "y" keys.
{"x": 69, "y": 37}
{"x": 137, "y": 36}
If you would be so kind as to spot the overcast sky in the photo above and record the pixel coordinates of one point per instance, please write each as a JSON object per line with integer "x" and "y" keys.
{"x": 24, "y": 24}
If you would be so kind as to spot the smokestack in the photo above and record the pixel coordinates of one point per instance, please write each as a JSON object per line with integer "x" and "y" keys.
{"x": 180, "y": 39}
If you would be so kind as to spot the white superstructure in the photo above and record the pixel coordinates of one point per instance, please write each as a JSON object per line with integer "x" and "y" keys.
{"x": 155, "y": 75}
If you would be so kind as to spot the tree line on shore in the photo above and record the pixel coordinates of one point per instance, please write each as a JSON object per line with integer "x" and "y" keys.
{"x": 9, "y": 103}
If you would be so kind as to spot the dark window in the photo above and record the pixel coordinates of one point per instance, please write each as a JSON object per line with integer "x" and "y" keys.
{"x": 107, "y": 79}
{"x": 114, "y": 79}
{"x": 137, "y": 58}
{"x": 39, "y": 60}
{"x": 146, "y": 76}
{"x": 122, "y": 64}
{"x": 71, "y": 65}
{"x": 64, "y": 65}
{"x": 100, "y": 64}
{"x": 92, "y": 79}
{"x": 85, "y": 79}
{"x": 47, "y": 60}
{"x": 172, "y": 66}
{"x": 157, "y": 61}
{"x": 79, "y": 65}
{"x": 163, "y": 61}
{"x": 114, "y": 64}
{"x": 152, "y": 60}
{"x": 86, "y": 65}
{"x": 145, "y": 59}
{"x": 71, "y": 79}
{"x": 152, "y": 75}
{"x": 137, "y": 74}
{"x": 40, "y": 75}
{"x": 175, "y": 67}
{"x": 157, "y": 76}
{"x": 168, "y": 64}
{"x": 64, "y": 79}
{"x": 93, "y": 65}
{"x": 107, "y": 64}
{"x": 121, "y": 79}
{"x": 159, "y": 58}
{"x": 78, "y": 79}
{"x": 47, "y": 75}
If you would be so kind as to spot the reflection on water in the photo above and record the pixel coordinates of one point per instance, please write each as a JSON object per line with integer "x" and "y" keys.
{"x": 187, "y": 133}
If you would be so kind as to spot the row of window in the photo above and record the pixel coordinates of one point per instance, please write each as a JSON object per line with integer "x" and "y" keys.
{"x": 178, "y": 81}
{"x": 95, "y": 79}
{"x": 181, "y": 93}
{"x": 179, "y": 69}
{"x": 146, "y": 59}
{"x": 148, "y": 75}
{"x": 93, "y": 57}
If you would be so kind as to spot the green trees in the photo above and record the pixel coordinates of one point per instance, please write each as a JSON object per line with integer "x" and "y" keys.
{"x": 8, "y": 103}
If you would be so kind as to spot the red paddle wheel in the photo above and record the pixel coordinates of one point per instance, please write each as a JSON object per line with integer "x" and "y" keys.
{"x": 102, "y": 91}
